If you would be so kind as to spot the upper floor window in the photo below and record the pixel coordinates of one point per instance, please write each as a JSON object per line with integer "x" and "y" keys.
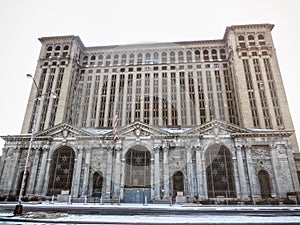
{"x": 261, "y": 39}
{"x": 205, "y": 55}
{"x": 164, "y": 57}
{"x": 242, "y": 41}
{"x": 180, "y": 56}
{"x": 189, "y": 56}
{"x": 223, "y": 53}
{"x": 172, "y": 57}
{"x": 251, "y": 40}
{"x": 197, "y": 55}
{"x": 214, "y": 54}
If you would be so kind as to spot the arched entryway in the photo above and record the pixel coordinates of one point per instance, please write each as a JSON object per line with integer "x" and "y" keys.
{"x": 97, "y": 184}
{"x": 264, "y": 183}
{"x": 61, "y": 170}
{"x": 137, "y": 175}
{"x": 20, "y": 183}
{"x": 219, "y": 172}
{"x": 178, "y": 183}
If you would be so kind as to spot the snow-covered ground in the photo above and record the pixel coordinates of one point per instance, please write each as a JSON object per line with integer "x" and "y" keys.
{"x": 63, "y": 218}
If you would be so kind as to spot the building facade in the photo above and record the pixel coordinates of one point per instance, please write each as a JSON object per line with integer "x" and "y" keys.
{"x": 196, "y": 119}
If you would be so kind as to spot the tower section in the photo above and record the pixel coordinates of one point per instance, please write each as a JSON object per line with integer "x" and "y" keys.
{"x": 55, "y": 73}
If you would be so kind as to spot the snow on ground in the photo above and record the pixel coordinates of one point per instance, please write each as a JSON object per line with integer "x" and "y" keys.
{"x": 64, "y": 218}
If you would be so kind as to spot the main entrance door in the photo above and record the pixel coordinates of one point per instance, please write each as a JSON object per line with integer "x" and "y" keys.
{"x": 137, "y": 175}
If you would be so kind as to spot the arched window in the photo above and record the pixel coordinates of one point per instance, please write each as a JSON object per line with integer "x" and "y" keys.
{"x": 92, "y": 61}
{"x": 100, "y": 60}
{"x": 107, "y": 60}
{"x": 65, "y": 50}
{"x": 97, "y": 184}
{"x": 57, "y": 51}
{"x": 155, "y": 58}
{"x": 178, "y": 183}
{"x": 138, "y": 167}
{"x": 242, "y": 41}
{"x": 131, "y": 59}
{"x": 214, "y": 54}
{"x": 264, "y": 183}
{"x": 197, "y": 55}
{"x": 205, "y": 55}
{"x": 251, "y": 40}
{"x": 223, "y": 53}
{"x": 172, "y": 57}
{"x": 49, "y": 50}
{"x": 116, "y": 59}
{"x": 140, "y": 58}
{"x": 219, "y": 172}
{"x": 189, "y": 56}
{"x": 85, "y": 60}
{"x": 180, "y": 57}
{"x": 148, "y": 58}
{"x": 20, "y": 183}
{"x": 261, "y": 40}
{"x": 164, "y": 58}
{"x": 61, "y": 170}
{"x": 124, "y": 58}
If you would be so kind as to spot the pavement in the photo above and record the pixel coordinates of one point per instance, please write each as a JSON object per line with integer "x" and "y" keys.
{"x": 96, "y": 213}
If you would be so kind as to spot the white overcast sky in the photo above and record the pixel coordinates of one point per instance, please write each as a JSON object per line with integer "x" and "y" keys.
{"x": 100, "y": 22}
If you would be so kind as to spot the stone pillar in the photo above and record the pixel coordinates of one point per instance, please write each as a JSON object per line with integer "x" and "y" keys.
{"x": 254, "y": 190}
{"x": 293, "y": 169}
{"x": 86, "y": 174}
{"x": 41, "y": 175}
{"x": 156, "y": 174}
{"x": 107, "y": 190}
{"x": 236, "y": 177}
{"x": 276, "y": 168}
{"x": 190, "y": 175}
{"x": 203, "y": 177}
{"x": 46, "y": 177}
{"x": 33, "y": 173}
{"x": 166, "y": 174}
{"x": 77, "y": 173}
{"x": 117, "y": 171}
{"x": 241, "y": 171}
{"x": 123, "y": 172}
{"x": 199, "y": 173}
{"x": 152, "y": 178}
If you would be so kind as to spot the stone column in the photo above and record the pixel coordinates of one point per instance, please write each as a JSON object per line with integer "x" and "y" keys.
{"x": 241, "y": 172}
{"x": 156, "y": 174}
{"x": 33, "y": 172}
{"x": 46, "y": 177}
{"x": 190, "y": 175}
{"x": 254, "y": 190}
{"x": 123, "y": 175}
{"x": 203, "y": 177}
{"x": 152, "y": 179}
{"x": 236, "y": 177}
{"x": 293, "y": 169}
{"x": 108, "y": 177}
{"x": 276, "y": 168}
{"x": 166, "y": 174}
{"x": 41, "y": 175}
{"x": 76, "y": 177}
{"x": 117, "y": 171}
{"x": 199, "y": 173}
{"x": 86, "y": 173}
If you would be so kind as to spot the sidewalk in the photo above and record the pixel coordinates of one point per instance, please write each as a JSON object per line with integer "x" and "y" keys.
{"x": 203, "y": 214}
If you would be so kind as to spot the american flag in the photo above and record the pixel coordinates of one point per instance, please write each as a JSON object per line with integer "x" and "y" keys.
{"x": 115, "y": 128}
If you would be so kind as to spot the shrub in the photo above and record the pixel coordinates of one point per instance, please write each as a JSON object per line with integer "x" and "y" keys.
{"x": 288, "y": 201}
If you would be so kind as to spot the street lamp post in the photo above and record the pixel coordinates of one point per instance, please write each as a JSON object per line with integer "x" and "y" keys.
{"x": 19, "y": 208}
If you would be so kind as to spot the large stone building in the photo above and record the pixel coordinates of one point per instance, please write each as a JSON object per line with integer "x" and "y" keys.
{"x": 202, "y": 119}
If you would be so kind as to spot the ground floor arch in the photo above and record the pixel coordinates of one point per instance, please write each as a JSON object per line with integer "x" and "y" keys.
{"x": 178, "y": 183}
{"x": 220, "y": 177}
{"x": 61, "y": 170}
{"x": 264, "y": 184}
{"x": 137, "y": 186}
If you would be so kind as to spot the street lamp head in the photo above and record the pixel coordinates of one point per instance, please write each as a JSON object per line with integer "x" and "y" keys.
{"x": 28, "y": 75}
